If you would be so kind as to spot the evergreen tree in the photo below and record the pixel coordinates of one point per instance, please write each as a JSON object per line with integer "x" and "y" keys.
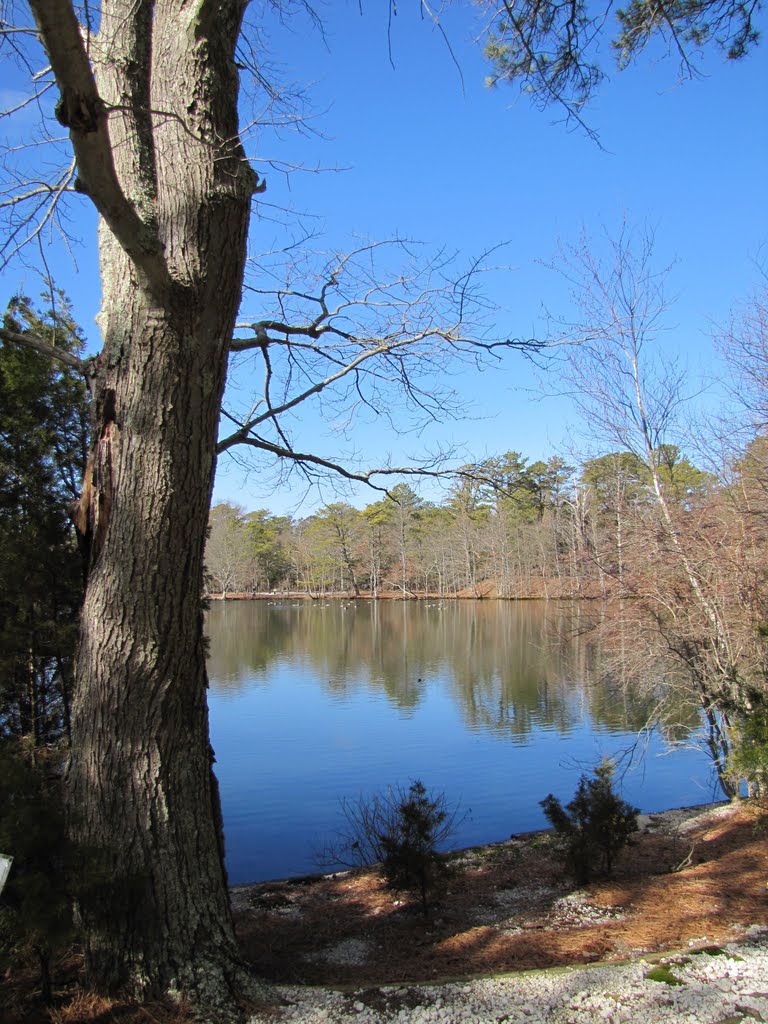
{"x": 43, "y": 437}
{"x": 595, "y": 826}
{"x": 409, "y": 845}
{"x": 36, "y": 905}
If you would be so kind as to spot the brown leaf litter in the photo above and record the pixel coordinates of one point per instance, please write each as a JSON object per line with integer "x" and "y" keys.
{"x": 690, "y": 878}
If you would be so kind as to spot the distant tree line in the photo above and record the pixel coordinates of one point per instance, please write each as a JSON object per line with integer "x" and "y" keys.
{"x": 508, "y": 528}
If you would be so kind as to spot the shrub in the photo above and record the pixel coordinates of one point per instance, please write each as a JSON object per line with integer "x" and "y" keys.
{"x": 595, "y": 826}
{"x": 402, "y": 830}
{"x": 35, "y": 914}
{"x": 749, "y": 757}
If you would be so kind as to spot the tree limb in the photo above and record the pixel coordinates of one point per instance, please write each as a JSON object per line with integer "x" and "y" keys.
{"x": 83, "y": 366}
{"x": 362, "y": 336}
{"x": 303, "y": 458}
{"x": 82, "y": 110}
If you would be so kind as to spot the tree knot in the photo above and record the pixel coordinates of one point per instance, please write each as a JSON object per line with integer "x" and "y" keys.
{"x": 77, "y": 112}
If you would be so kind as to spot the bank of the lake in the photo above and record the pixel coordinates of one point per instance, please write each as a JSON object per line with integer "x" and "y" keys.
{"x": 533, "y": 588}
{"x": 679, "y": 934}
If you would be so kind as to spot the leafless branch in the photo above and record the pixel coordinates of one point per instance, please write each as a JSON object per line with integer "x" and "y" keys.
{"x": 82, "y": 111}
{"x": 43, "y": 212}
{"x": 359, "y": 332}
{"x": 310, "y": 461}
{"x": 32, "y": 341}
{"x": 27, "y": 101}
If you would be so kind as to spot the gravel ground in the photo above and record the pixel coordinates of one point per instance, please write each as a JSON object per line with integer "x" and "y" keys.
{"x": 702, "y": 986}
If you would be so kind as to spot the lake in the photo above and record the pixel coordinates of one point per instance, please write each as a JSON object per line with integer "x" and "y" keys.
{"x": 489, "y": 702}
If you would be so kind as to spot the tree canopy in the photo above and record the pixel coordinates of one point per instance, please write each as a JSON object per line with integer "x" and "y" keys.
{"x": 556, "y": 51}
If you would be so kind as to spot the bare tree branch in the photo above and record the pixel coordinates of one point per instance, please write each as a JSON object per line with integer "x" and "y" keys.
{"x": 306, "y": 459}
{"x": 358, "y": 332}
{"x": 31, "y": 227}
{"x": 83, "y": 112}
{"x": 83, "y": 366}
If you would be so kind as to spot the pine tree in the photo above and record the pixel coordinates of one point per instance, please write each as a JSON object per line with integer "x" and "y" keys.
{"x": 43, "y": 436}
{"x": 595, "y": 826}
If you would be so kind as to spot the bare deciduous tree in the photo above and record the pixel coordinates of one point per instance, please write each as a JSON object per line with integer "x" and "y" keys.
{"x": 745, "y": 347}
{"x": 632, "y": 397}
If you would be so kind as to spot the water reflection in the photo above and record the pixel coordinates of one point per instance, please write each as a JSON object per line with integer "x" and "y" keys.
{"x": 510, "y": 667}
{"x": 485, "y": 701}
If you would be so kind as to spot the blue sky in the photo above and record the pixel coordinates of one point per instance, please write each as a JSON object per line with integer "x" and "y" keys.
{"x": 436, "y": 156}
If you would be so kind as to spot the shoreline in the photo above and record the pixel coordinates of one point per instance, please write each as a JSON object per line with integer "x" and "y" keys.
{"x": 652, "y": 821}
{"x": 392, "y": 596}
{"x": 538, "y": 590}
{"x": 626, "y": 972}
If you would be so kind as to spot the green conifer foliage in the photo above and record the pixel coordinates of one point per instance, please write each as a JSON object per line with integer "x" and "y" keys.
{"x": 35, "y": 907}
{"x": 595, "y": 826}
{"x": 402, "y": 830}
{"x": 410, "y": 857}
{"x": 43, "y": 438}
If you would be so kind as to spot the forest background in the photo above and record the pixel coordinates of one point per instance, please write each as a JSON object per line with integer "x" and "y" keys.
{"x": 509, "y": 528}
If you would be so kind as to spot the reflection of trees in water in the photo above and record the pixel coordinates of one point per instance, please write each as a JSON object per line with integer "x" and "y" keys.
{"x": 535, "y": 670}
{"x": 245, "y": 640}
{"x": 626, "y": 678}
{"x": 506, "y": 677}
{"x": 511, "y": 668}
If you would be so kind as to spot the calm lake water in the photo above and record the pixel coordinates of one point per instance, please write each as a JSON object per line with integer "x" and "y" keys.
{"x": 313, "y": 702}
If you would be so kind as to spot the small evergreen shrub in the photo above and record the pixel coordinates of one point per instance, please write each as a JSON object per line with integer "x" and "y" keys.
{"x": 402, "y": 830}
{"x": 411, "y": 860}
{"x": 595, "y": 826}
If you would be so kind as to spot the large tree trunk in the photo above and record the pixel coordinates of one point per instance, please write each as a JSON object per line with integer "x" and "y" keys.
{"x": 141, "y": 782}
{"x": 143, "y": 796}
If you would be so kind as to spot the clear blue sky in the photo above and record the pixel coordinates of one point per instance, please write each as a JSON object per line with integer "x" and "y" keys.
{"x": 439, "y": 158}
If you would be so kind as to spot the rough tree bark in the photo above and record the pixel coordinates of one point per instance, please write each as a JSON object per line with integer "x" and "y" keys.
{"x": 151, "y": 107}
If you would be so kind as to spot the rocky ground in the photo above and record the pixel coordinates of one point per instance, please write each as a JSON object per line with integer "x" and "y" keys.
{"x": 344, "y": 948}
{"x": 716, "y": 985}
